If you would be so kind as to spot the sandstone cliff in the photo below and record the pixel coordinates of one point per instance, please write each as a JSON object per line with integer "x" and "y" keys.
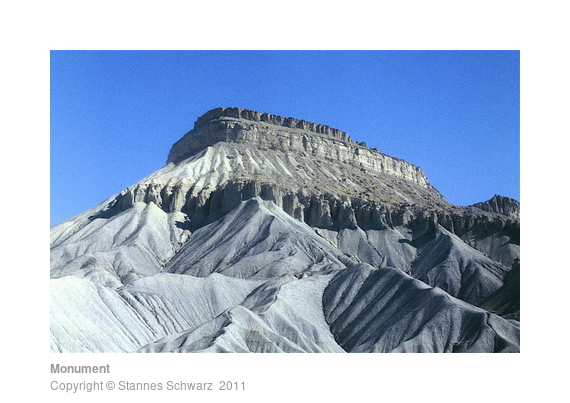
{"x": 288, "y": 135}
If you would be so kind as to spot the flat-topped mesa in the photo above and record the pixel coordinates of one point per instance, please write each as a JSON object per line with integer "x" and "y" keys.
{"x": 276, "y": 120}
{"x": 263, "y": 131}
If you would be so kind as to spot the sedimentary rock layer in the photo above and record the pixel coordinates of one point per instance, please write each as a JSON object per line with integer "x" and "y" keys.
{"x": 290, "y": 136}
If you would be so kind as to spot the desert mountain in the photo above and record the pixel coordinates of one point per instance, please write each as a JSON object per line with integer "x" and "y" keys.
{"x": 272, "y": 234}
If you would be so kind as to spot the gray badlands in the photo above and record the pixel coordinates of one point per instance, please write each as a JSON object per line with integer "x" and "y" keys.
{"x": 272, "y": 234}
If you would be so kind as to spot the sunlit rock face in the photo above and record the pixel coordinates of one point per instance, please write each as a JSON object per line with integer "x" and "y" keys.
{"x": 271, "y": 234}
{"x": 289, "y": 135}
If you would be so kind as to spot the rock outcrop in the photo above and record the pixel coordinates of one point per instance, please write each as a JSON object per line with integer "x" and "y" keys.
{"x": 501, "y": 205}
{"x": 288, "y": 135}
{"x": 275, "y": 120}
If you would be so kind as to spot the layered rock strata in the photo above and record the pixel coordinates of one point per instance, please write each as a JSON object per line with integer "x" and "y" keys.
{"x": 288, "y": 135}
{"x": 275, "y": 120}
{"x": 317, "y": 174}
{"x": 321, "y": 178}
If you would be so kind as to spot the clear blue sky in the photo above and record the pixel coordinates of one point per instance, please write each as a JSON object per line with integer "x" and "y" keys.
{"x": 115, "y": 114}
